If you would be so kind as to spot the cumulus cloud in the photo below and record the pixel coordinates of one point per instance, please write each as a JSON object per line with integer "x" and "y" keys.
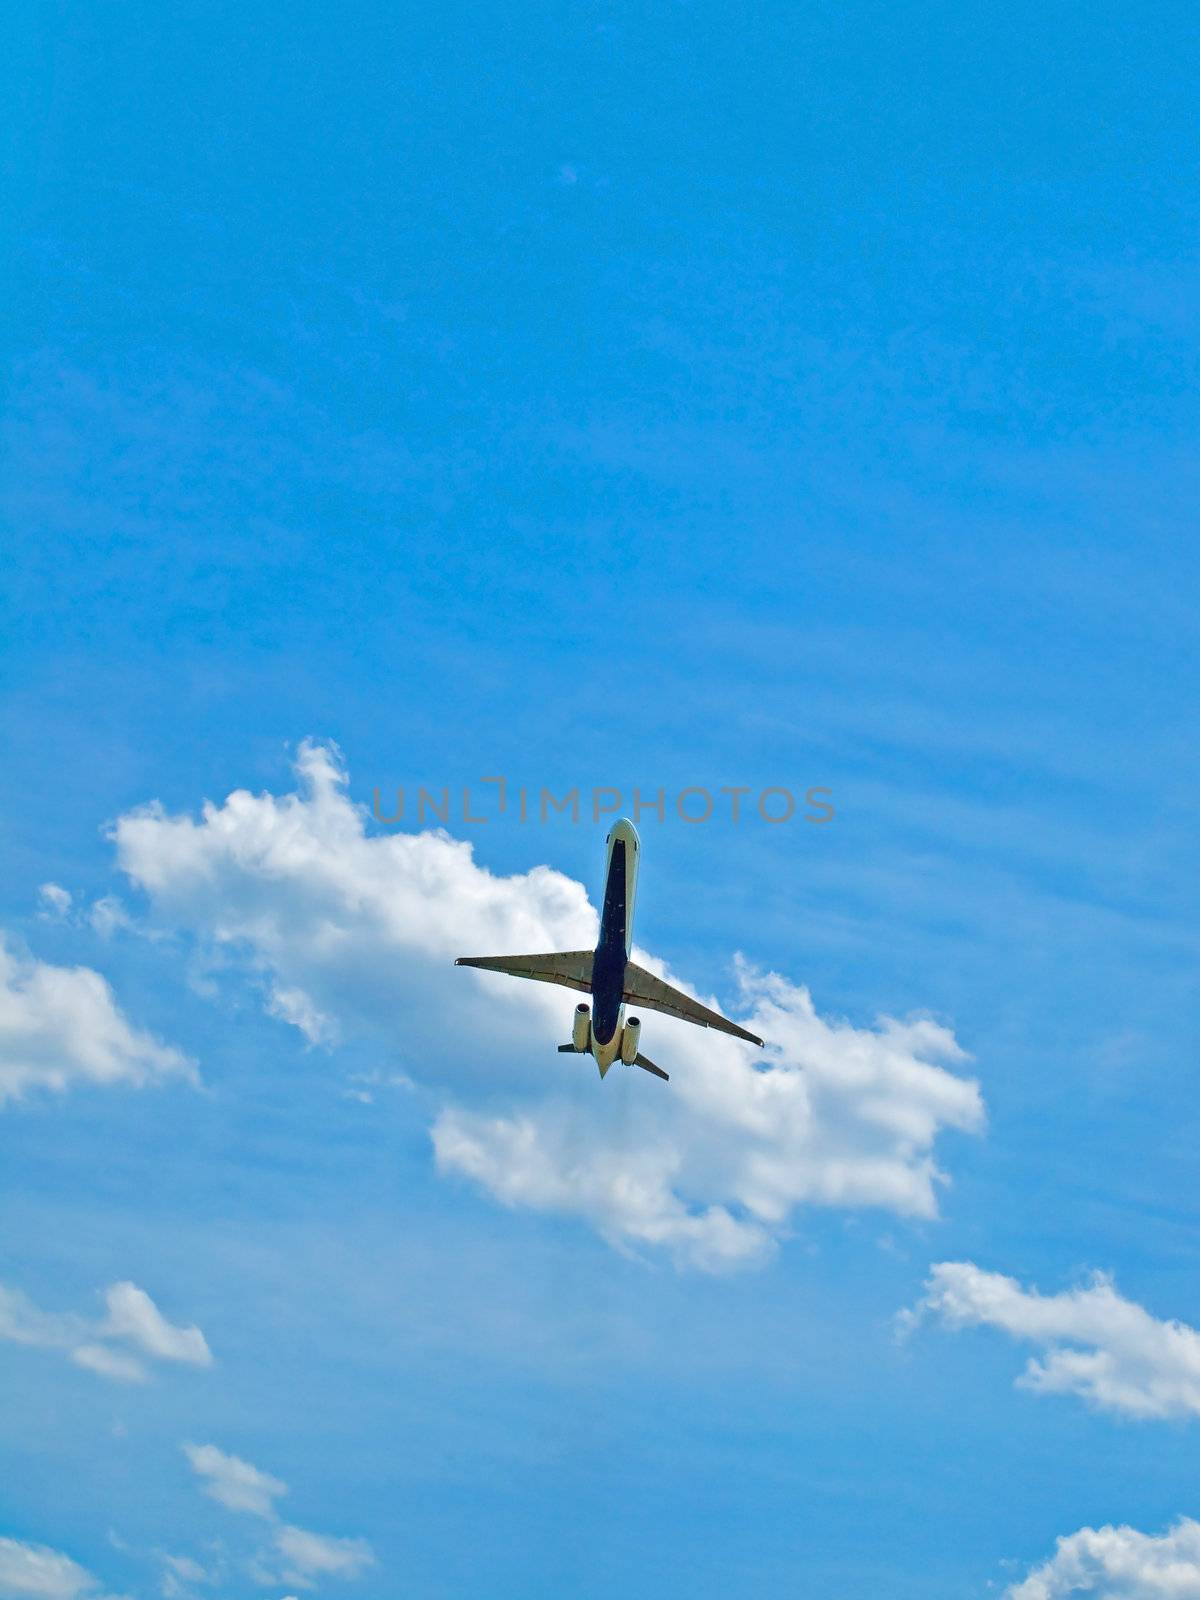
{"x": 349, "y": 930}
{"x": 536, "y": 1158}
{"x": 36, "y": 1572}
{"x": 133, "y": 1319}
{"x": 839, "y": 1116}
{"x": 1119, "y": 1564}
{"x": 61, "y": 1026}
{"x": 1094, "y": 1343}
{"x": 306, "y": 1556}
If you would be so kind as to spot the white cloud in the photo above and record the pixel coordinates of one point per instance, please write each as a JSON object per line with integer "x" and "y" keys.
{"x": 187, "y": 1568}
{"x": 234, "y": 1482}
{"x": 23, "y": 1323}
{"x": 109, "y": 1363}
{"x": 1094, "y": 1343}
{"x": 60, "y": 1026}
{"x": 309, "y": 1556}
{"x": 36, "y": 1572}
{"x": 107, "y": 916}
{"x": 350, "y": 929}
{"x": 1119, "y": 1564}
{"x": 55, "y": 902}
{"x": 180, "y": 1576}
{"x": 536, "y": 1159}
{"x": 133, "y": 1318}
{"x": 294, "y": 1006}
{"x": 713, "y": 1168}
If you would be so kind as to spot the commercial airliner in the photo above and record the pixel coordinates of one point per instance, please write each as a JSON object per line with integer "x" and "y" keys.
{"x": 609, "y": 976}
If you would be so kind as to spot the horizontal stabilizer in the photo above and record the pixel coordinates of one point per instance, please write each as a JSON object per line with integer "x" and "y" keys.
{"x": 571, "y": 968}
{"x": 642, "y": 988}
{"x": 641, "y": 1061}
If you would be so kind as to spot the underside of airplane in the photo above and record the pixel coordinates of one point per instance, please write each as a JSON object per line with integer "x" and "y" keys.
{"x": 609, "y": 976}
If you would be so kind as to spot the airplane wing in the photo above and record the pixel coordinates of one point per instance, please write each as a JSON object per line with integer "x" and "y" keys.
{"x": 571, "y": 968}
{"x": 642, "y": 988}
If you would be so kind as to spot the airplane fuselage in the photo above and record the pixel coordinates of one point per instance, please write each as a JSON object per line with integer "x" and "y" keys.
{"x": 607, "y": 974}
{"x": 616, "y": 941}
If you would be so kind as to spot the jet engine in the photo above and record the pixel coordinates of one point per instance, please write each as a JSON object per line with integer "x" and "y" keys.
{"x": 630, "y": 1038}
{"x": 581, "y": 1028}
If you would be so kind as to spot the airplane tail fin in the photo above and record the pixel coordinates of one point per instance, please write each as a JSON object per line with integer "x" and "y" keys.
{"x": 638, "y": 1061}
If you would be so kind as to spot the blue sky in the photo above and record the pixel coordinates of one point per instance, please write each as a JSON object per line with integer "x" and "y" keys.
{"x": 599, "y": 395}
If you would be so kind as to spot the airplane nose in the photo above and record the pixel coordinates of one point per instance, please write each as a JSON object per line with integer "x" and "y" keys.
{"x": 624, "y": 829}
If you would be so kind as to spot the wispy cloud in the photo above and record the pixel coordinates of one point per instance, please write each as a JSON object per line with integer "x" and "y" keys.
{"x": 1109, "y": 1351}
{"x": 102, "y": 1345}
{"x": 234, "y": 1483}
{"x": 350, "y": 929}
{"x": 304, "y": 1557}
{"x": 36, "y": 1572}
{"x": 54, "y": 902}
{"x": 308, "y": 1556}
{"x": 181, "y": 1574}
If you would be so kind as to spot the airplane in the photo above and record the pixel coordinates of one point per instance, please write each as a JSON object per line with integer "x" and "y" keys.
{"x": 609, "y": 976}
